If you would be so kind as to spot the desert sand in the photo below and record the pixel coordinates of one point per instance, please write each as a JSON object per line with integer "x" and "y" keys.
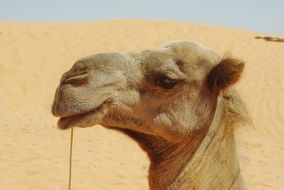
{"x": 34, "y": 153}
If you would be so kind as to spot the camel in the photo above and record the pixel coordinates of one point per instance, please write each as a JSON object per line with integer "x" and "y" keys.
{"x": 270, "y": 39}
{"x": 177, "y": 102}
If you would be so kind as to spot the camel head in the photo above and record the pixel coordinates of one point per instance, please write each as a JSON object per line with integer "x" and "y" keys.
{"x": 168, "y": 92}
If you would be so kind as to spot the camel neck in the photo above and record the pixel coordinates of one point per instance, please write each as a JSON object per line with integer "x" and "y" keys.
{"x": 206, "y": 160}
{"x": 214, "y": 164}
{"x": 169, "y": 160}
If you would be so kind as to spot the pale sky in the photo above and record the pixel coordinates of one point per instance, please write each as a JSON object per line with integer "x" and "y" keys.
{"x": 255, "y": 15}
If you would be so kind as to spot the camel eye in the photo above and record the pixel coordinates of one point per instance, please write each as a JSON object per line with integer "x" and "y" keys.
{"x": 166, "y": 83}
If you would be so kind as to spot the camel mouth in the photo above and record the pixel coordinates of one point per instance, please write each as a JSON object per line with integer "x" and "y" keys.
{"x": 83, "y": 119}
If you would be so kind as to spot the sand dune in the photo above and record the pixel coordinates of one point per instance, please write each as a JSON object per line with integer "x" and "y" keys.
{"x": 34, "y": 153}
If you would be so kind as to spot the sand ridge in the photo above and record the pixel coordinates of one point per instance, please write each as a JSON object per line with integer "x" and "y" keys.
{"x": 34, "y": 154}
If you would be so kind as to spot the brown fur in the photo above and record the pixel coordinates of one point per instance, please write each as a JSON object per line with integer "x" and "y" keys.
{"x": 225, "y": 74}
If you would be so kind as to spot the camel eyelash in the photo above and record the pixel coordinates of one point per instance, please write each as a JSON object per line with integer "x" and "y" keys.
{"x": 166, "y": 82}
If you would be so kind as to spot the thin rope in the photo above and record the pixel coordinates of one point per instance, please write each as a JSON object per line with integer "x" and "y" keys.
{"x": 70, "y": 159}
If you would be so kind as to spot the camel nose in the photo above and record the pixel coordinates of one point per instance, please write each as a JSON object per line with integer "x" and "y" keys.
{"x": 75, "y": 78}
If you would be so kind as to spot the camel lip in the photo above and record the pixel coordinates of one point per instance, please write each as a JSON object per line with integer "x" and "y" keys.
{"x": 68, "y": 114}
{"x": 74, "y": 119}
{"x": 76, "y": 114}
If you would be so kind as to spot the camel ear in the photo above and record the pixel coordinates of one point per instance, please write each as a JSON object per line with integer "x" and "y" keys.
{"x": 224, "y": 74}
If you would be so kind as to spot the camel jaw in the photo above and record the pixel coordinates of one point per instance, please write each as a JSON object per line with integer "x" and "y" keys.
{"x": 83, "y": 119}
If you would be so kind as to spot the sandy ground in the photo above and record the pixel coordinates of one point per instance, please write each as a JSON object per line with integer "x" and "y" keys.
{"x": 34, "y": 153}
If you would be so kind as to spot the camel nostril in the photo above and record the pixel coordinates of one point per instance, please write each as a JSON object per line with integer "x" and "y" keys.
{"x": 77, "y": 80}
{"x": 72, "y": 74}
